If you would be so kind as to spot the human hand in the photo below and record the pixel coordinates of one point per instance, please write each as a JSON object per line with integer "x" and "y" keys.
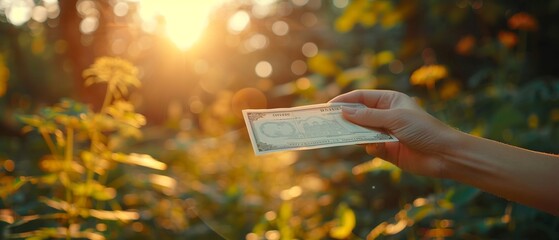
{"x": 422, "y": 138}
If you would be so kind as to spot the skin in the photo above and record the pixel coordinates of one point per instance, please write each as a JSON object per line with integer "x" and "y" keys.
{"x": 429, "y": 147}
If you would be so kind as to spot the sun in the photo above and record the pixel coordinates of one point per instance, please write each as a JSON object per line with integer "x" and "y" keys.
{"x": 185, "y": 19}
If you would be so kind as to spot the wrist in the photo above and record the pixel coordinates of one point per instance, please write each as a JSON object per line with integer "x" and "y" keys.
{"x": 454, "y": 150}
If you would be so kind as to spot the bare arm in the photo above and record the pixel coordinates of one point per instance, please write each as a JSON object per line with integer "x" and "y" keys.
{"x": 429, "y": 147}
{"x": 517, "y": 174}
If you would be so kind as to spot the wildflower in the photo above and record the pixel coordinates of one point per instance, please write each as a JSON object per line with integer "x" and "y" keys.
{"x": 350, "y": 16}
{"x": 465, "y": 45}
{"x": 384, "y": 57}
{"x": 344, "y": 24}
{"x": 323, "y": 65}
{"x": 450, "y": 90}
{"x": 428, "y": 75}
{"x": 523, "y": 21}
{"x": 508, "y": 39}
{"x": 391, "y": 19}
{"x": 116, "y": 72}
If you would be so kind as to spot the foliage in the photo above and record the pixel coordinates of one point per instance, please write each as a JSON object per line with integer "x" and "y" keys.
{"x": 83, "y": 152}
{"x": 87, "y": 166}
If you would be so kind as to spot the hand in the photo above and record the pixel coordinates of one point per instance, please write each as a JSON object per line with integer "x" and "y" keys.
{"x": 429, "y": 147}
{"x": 422, "y": 138}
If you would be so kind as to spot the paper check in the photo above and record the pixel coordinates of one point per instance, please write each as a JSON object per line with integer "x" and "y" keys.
{"x": 306, "y": 127}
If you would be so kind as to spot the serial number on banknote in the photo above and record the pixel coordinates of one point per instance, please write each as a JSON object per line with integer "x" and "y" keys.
{"x": 306, "y": 127}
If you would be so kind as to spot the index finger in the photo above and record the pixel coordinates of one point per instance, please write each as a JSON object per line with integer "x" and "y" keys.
{"x": 382, "y": 99}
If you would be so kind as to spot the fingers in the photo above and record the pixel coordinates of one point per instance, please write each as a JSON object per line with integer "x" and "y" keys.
{"x": 381, "y": 99}
{"x": 376, "y": 149}
{"x": 385, "y": 151}
{"x": 372, "y": 98}
{"x": 368, "y": 117}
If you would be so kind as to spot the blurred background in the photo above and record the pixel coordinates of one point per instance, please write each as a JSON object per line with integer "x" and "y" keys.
{"x": 485, "y": 67}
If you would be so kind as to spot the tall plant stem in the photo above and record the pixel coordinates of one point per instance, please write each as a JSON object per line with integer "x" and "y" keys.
{"x": 49, "y": 143}
{"x": 108, "y": 97}
{"x": 68, "y": 158}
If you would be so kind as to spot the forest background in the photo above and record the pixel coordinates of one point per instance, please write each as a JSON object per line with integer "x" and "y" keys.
{"x": 121, "y": 119}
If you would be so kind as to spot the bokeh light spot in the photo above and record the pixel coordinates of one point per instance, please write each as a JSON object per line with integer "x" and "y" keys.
{"x": 120, "y": 9}
{"x": 309, "y": 19}
{"x": 270, "y": 215}
{"x": 303, "y": 83}
{"x": 291, "y": 193}
{"x": 262, "y": 9}
{"x": 137, "y": 226}
{"x": 86, "y": 8}
{"x": 9, "y": 165}
{"x": 309, "y": 49}
{"x": 280, "y": 28}
{"x": 19, "y": 12}
{"x": 101, "y": 227}
{"x": 252, "y": 236}
{"x": 299, "y": 67}
{"x": 300, "y": 3}
{"x": 263, "y": 69}
{"x": 248, "y": 98}
{"x": 238, "y": 22}
{"x": 340, "y": 3}
{"x": 272, "y": 235}
{"x": 89, "y": 25}
{"x": 40, "y": 14}
{"x": 257, "y": 41}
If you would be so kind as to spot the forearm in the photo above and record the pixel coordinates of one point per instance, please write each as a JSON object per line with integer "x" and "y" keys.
{"x": 517, "y": 174}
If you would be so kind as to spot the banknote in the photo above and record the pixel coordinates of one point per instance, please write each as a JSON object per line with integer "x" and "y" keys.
{"x": 306, "y": 127}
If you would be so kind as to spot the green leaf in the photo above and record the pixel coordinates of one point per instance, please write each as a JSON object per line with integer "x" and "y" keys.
{"x": 345, "y": 222}
{"x": 93, "y": 189}
{"x": 139, "y": 159}
{"x": 114, "y": 215}
{"x": 285, "y": 214}
{"x": 506, "y": 117}
{"x": 12, "y": 186}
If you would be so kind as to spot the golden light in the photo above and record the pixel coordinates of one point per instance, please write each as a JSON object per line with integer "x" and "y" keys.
{"x": 185, "y": 21}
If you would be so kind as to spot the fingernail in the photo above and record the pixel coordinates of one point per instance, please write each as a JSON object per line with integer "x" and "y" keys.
{"x": 349, "y": 110}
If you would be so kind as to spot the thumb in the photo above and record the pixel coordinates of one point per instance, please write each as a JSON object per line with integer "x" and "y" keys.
{"x": 368, "y": 117}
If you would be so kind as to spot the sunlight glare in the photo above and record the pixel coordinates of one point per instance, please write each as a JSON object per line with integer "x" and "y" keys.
{"x": 18, "y": 12}
{"x": 238, "y": 22}
{"x": 185, "y": 20}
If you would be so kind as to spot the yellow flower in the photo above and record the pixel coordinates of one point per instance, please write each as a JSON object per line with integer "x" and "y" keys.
{"x": 323, "y": 65}
{"x": 390, "y": 19}
{"x": 384, "y": 57}
{"x": 116, "y": 72}
{"x": 450, "y": 90}
{"x": 344, "y": 24}
{"x": 368, "y": 19}
{"x": 428, "y": 75}
{"x": 350, "y": 16}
